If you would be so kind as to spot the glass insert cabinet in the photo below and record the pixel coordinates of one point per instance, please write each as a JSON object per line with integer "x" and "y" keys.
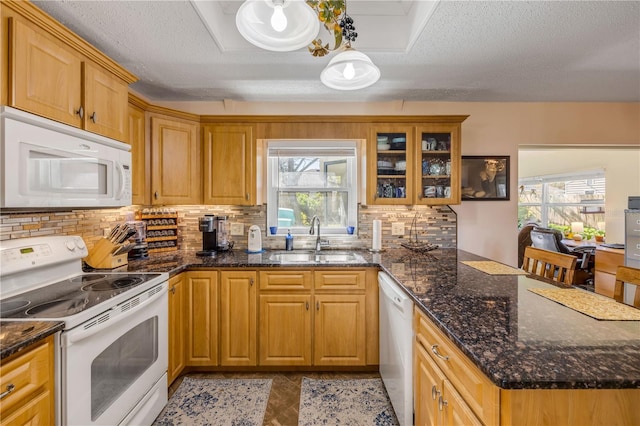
{"x": 414, "y": 164}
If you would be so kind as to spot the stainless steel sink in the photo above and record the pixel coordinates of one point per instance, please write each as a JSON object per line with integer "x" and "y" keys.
{"x": 315, "y": 257}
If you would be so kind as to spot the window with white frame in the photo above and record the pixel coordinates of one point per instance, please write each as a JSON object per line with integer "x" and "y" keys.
{"x": 556, "y": 201}
{"x": 312, "y": 178}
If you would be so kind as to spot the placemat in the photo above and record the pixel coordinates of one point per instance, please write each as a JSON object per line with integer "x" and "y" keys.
{"x": 493, "y": 268}
{"x": 591, "y": 304}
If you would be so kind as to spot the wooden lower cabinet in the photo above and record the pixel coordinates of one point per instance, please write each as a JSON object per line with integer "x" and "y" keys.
{"x": 30, "y": 373}
{"x": 285, "y": 329}
{"x": 202, "y": 318}
{"x": 177, "y": 333}
{"x": 322, "y": 317}
{"x": 339, "y": 330}
{"x": 274, "y": 317}
{"x": 450, "y": 390}
{"x": 436, "y": 400}
{"x": 238, "y": 290}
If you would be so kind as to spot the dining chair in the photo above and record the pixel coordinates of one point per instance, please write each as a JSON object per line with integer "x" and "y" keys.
{"x": 627, "y": 274}
{"x": 549, "y": 264}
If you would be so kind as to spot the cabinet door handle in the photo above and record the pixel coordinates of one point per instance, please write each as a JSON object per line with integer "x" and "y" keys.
{"x": 251, "y": 282}
{"x": 155, "y": 194}
{"x": 247, "y": 196}
{"x": 317, "y": 306}
{"x": 442, "y": 403}
{"x": 80, "y": 112}
{"x": 434, "y": 349}
{"x": 307, "y": 306}
{"x": 10, "y": 388}
{"x": 173, "y": 290}
{"x": 93, "y": 116}
{"x": 434, "y": 392}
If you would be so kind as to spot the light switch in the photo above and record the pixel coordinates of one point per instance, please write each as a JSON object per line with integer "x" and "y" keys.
{"x": 237, "y": 229}
{"x": 397, "y": 228}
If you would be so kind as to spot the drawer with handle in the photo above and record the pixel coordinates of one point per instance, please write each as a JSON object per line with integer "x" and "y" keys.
{"x": 25, "y": 376}
{"x": 480, "y": 394}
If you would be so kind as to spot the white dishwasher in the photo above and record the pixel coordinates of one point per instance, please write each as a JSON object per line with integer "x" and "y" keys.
{"x": 396, "y": 347}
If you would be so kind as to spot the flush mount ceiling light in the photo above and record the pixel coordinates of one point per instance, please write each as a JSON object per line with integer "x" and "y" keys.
{"x": 277, "y": 25}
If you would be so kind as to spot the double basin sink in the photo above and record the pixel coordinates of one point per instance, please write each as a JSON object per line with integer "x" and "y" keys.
{"x": 316, "y": 257}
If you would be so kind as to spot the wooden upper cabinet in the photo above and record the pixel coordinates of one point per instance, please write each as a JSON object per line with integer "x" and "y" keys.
{"x": 45, "y": 74}
{"x": 105, "y": 103}
{"x": 140, "y": 157}
{"x": 175, "y": 162}
{"x": 401, "y": 172}
{"x": 438, "y": 168}
{"x": 55, "y": 74}
{"x": 229, "y": 164}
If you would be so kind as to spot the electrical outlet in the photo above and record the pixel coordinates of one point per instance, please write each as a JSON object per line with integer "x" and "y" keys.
{"x": 106, "y": 232}
{"x": 397, "y": 228}
{"x": 237, "y": 229}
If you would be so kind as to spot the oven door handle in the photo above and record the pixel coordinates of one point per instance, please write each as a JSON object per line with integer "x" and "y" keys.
{"x": 113, "y": 316}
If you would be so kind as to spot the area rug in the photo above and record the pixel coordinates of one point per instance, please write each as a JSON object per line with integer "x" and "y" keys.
{"x": 345, "y": 402}
{"x": 493, "y": 268}
{"x": 228, "y": 402}
{"x": 593, "y": 305}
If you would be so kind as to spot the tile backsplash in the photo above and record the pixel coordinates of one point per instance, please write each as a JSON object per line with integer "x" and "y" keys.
{"x": 436, "y": 225}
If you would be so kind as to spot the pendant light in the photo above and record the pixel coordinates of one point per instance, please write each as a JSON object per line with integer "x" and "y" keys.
{"x": 277, "y": 25}
{"x": 349, "y": 70}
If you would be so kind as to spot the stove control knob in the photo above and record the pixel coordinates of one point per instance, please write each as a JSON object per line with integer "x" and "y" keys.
{"x": 71, "y": 245}
{"x": 80, "y": 244}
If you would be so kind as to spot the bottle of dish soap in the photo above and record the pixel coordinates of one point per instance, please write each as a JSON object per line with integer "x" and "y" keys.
{"x": 289, "y": 241}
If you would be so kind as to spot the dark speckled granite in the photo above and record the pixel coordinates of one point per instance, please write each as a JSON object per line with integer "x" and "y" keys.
{"x": 519, "y": 339}
{"x": 17, "y": 335}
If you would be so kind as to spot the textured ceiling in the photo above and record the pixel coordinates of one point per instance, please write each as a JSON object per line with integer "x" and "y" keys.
{"x": 485, "y": 51}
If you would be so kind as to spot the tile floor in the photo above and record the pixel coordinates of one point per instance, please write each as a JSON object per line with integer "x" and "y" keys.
{"x": 284, "y": 399}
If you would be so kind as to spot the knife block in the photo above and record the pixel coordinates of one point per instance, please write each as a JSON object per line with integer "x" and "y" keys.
{"x": 101, "y": 257}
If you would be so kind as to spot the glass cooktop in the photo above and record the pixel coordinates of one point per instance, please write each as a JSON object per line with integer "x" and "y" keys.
{"x": 71, "y": 296}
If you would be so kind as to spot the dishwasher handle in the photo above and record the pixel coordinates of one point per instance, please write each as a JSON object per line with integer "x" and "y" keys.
{"x": 391, "y": 290}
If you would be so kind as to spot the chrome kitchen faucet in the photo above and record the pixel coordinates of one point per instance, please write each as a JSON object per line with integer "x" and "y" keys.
{"x": 316, "y": 219}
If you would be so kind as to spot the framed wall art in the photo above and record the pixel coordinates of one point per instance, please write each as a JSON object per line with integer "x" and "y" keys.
{"x": 485, "y": 177}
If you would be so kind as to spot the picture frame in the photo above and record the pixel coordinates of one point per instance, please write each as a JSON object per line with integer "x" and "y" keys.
{"x": 485, "y": 178}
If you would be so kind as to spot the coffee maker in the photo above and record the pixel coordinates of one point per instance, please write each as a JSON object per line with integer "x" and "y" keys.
{"x": 215, "y": 235}
{"x": 139, "y": 239}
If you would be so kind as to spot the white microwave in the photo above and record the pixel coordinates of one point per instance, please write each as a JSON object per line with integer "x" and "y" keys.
{"x": 46, "y": 164}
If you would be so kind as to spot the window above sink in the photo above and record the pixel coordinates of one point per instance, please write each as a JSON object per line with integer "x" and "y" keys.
{"x": 307, "y": 178}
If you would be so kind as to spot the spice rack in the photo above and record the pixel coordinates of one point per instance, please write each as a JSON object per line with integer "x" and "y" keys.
{"x": 162, "y": 232}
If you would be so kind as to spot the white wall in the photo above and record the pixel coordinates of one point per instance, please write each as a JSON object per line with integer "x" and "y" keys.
{"x": 488, "y": 228}
{"x": 622, "y": 172}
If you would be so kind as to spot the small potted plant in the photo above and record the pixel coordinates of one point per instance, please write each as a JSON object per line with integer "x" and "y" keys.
{"x": 599, "y": 236}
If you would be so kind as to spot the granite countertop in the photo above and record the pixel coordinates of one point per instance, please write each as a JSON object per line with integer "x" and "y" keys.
{"x": 17, "y": 335}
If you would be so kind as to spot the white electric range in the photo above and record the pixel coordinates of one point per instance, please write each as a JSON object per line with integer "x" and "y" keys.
{"x": 111, "y": 356}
